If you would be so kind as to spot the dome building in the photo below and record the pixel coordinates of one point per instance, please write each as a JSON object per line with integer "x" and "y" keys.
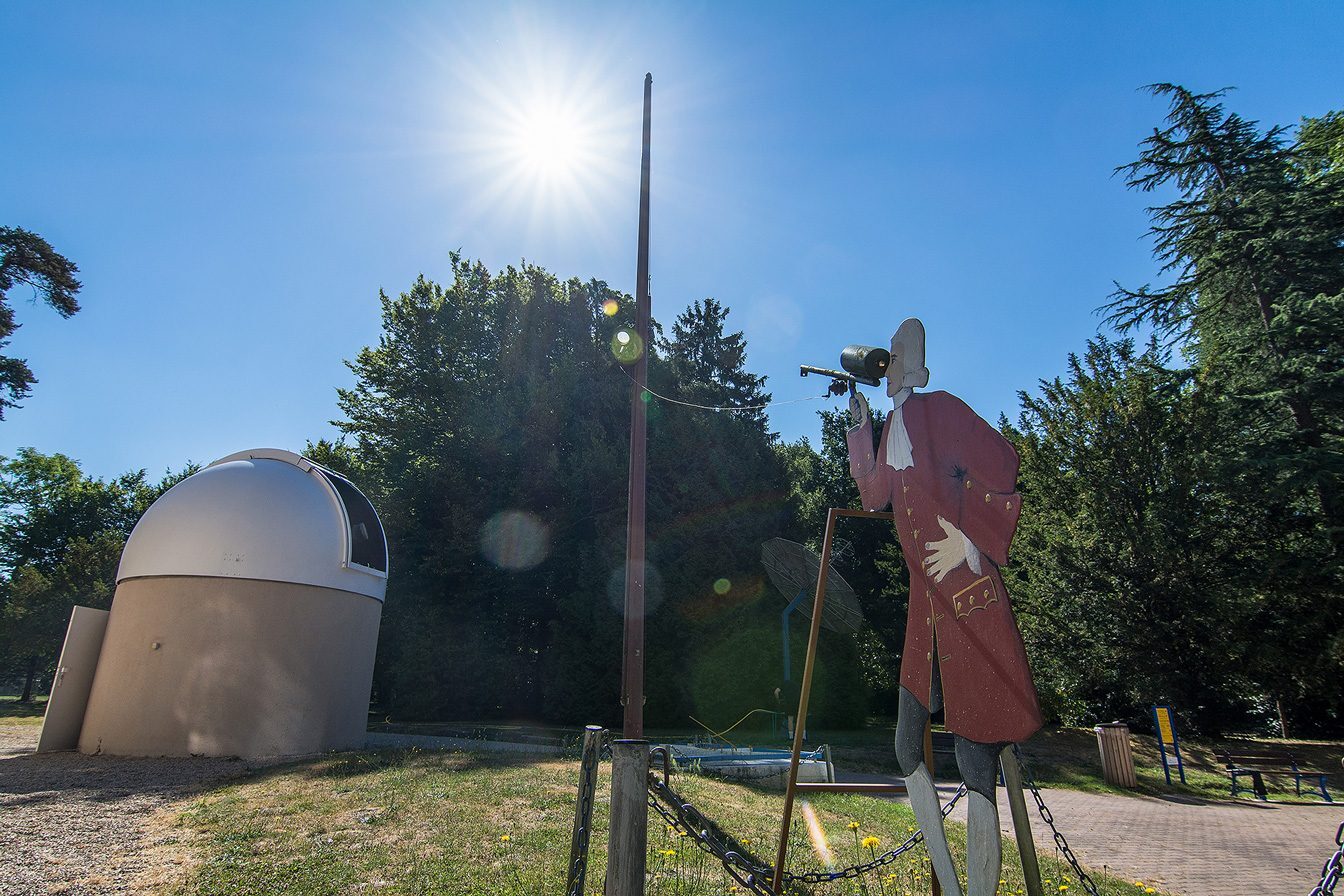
{"x": 245, "y": 619}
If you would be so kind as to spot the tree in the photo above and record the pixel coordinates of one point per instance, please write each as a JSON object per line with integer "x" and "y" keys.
{"x": 1256, "y": 243}
{"x": 1135, "y": 566}
{"x": 711, "y": 368}
{"x": 1254, "y": 246}
{"x": 26, "y": 258}
{"x": 489, "y": 425}
{"x": 61, "y": 537}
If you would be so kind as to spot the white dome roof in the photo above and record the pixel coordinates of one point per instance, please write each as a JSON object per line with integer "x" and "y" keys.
{"x": 264, "y": 514}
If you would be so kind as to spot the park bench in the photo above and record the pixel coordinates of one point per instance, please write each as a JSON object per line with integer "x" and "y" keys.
{"x": 1257, "y": 765}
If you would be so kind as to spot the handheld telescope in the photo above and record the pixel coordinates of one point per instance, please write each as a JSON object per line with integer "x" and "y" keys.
{"x": 864, "y": 364}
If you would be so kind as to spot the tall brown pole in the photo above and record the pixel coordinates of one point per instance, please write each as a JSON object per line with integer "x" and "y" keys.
{"x": 632, "y": 666}
{"x": 627, "y": 840}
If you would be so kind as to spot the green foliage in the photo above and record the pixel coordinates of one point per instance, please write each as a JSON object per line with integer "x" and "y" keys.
{"x": 1128, "y": 569}
{"x": 1256, "y": 243}
{"x": 61, "y": 536}
{"x": 490, "y": 427}
{"x": 1183, "y": 530}
{"x": 26, "y": 258}
{"x": 873, "y": 563}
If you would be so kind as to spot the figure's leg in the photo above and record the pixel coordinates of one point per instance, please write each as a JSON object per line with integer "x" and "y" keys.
{"x": 979, "y": 765}
{"x": 910, "y": 722}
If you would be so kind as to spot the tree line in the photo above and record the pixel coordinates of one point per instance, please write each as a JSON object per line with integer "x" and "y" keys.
{"x": 1180, "y": 538}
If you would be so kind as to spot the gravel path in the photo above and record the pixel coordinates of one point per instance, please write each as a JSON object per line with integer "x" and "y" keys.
{"x": 74, "y": 824}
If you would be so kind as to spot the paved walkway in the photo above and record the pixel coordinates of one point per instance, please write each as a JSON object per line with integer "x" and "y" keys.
{"x": 1185, "y": 846}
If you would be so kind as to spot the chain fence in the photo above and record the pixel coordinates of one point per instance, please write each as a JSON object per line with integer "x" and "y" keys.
{"x": 749, "y": 871}
{"x": 755, "y": 875}
{"x": 1063, "y": 845}
{"x": 1333, "y": 868}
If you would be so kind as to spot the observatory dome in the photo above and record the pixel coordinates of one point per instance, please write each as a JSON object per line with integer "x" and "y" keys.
{"x": 267, "y": 515}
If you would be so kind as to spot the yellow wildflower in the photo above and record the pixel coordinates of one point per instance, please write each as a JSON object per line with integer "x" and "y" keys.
{"x": 668, "y": 853}
{"x": 504, "y": 839}
{"x": 871, "y": 843}
{"x": 853, "y": 825}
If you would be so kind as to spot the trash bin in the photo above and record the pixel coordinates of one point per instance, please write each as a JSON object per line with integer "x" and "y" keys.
{"x": 1117, "y": 760}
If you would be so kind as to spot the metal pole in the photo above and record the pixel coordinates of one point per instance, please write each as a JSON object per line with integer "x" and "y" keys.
{"x": 1026, "y": 847}
{"x": 632, "y": 666}
{"x": 791, "y": 786}
{"x": 936, "y": 888}
{"x": 627, "y": 838}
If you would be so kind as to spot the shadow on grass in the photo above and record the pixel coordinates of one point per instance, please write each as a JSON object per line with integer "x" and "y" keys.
{"x": 11, "y": 708}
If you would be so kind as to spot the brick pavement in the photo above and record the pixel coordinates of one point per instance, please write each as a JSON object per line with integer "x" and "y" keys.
{"x": 1190, "y": 846}
{"x": 1183, "y": 846}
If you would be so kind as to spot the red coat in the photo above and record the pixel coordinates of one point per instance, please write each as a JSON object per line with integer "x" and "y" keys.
{"x": 964, "y": 471}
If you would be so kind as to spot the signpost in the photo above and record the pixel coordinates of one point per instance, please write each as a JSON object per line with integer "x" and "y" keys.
{"x": 1167, "y": 743}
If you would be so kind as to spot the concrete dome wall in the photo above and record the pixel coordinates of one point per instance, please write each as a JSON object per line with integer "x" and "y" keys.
{"x": 231, "y": 667}
{"x": 242, "y": 624}
{"x": 263, "y": 514}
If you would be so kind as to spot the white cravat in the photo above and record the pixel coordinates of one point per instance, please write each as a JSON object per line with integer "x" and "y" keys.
{"x": 900, "y": 453}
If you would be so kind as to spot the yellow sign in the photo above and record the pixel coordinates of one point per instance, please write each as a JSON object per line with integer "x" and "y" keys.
{"x": 1164, "y": 725}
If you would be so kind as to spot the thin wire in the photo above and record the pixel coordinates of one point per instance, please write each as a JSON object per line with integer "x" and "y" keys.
{"x": 705, "y": 407}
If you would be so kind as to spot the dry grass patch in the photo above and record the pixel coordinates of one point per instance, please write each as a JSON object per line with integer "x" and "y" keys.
{"x": 408, "y": 822}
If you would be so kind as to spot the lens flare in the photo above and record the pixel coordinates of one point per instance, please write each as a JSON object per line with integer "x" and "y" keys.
{"x": 627, "y": 346}
{"x": 817, "y": 835}
{"x": 722, "y": 586}
{"x": 610, "y": 307}
{"x": 515, "y": 540}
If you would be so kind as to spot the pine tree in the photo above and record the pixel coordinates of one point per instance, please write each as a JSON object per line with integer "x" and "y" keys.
{"x": 1256, "y": 245}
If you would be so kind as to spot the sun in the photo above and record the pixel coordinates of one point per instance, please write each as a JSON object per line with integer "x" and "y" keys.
{"x": 550, "y": 143}
{"x": 539, "y": 134}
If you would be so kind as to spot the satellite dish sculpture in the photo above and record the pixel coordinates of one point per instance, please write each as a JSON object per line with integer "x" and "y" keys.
{"x": 950, "y": 480}
{"x": 793, "y": 569}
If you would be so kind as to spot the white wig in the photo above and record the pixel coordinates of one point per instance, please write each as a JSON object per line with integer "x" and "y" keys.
{"x": 910, "y": 335}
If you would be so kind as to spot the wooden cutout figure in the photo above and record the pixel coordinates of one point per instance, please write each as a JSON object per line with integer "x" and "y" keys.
{"x": 950, "y": 479}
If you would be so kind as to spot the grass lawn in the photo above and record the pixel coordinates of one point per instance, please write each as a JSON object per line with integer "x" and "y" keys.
{"x": 16, "y": 713}
{"x": 1068, "y": 757}
{"x": 404, "y": 822}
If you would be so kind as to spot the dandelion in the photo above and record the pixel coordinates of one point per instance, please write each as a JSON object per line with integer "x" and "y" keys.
{"x": 870, "y": 843}
{"x": 853, "y": 825}
{"x": 1149, "y": 890}
{"x": 1063, "y": 887}
{"x": 668, "y": 853}
{"x": 505, "y": 839}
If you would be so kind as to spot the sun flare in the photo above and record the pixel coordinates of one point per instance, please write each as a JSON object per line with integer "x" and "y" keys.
{"x": 542, "y": 132}
{"x": 550, "y": 143}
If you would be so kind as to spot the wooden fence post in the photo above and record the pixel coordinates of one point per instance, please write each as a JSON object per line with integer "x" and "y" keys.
{"x": 583, "y": 812}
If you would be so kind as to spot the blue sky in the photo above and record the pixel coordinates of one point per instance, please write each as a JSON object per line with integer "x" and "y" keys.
{"x": 237, "y": 181}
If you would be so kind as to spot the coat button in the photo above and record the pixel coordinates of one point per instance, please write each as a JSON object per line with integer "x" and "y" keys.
{"x": 968, "y": 483}
{"x": 928, "y": 656}
{"x": 986, "y": 499}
